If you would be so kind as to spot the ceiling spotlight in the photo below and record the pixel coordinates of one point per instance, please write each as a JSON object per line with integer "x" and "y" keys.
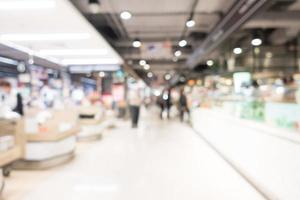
{"x": 256, "y": 42}
{"x": 136, "y": 43}
{"x": 168, "y": 77}
{"x": 190, "y": 23}
{"x": 125, "y": 15}
{"x": 177, "y": 53}
{"x": 210, "y": 63}
{"x": 94, "y": 6}
{"x": 237, "y": 51}
{"x": 149, "y": 74}
{"x": 182, "y": 79}
{"x": 182, "y": 43}
{"x": 101, "y": 74}
{"x": 146, "y": 67}
{"x": 143, "y": 62}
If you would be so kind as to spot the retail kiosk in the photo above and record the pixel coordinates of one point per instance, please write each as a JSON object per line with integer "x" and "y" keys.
{"x": 50, "y": 138}
{"x": 12, "y": 143}
{"x": 93, "y": 121}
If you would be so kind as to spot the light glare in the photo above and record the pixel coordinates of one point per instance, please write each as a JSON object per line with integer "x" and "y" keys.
{"x": 125, "y": 15}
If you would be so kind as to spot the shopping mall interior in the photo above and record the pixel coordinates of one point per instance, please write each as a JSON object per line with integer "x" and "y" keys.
{"x": 149, "y": 99}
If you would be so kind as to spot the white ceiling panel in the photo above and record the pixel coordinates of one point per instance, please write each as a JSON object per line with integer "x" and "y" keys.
{"x": 205, "y": 6}
{"x": 205, "y": 22}
{"x": 162, "y": 25}
{"x": 146, "y": 6}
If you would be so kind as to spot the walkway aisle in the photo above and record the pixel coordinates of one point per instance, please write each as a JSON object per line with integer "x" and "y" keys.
{"x": 158, "y": 161}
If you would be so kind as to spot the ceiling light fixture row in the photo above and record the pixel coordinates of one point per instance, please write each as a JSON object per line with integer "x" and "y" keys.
{"x": 254, "y": 42}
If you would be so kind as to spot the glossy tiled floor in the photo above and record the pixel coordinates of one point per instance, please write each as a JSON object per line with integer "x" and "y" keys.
{"x": 161, "y": 160}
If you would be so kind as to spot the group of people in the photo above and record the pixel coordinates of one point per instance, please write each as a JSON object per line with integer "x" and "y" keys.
{"x": 165, "y": 103}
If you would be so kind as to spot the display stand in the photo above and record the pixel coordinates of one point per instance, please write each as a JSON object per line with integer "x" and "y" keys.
{"x": 10, "y": 154}
{"x": 93, "y": 123}
{"x": 51, "y": 143}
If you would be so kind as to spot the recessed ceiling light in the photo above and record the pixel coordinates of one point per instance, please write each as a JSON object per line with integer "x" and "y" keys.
{"x": 177, "y": 53}
{"x": 168, "y": 77}
{"x": 94, "y": 6}
{"x": 256, "y": 42}
{"x": 125, "y": 15}
{"x": 210, "y": 63}
{"x": 101, "y": 74}
{"x": 182, "y": 43}
{"x": 190, "y": 23}
{"x": 182, "y": 79}
{"x": 237, "y": 51}
{"x": 136, "y": 43}
{"x": 175, "y": 59}
{"x": 143, "y": 62}
{"x": 149, "y": 74}
{"x": 146, "y": 67}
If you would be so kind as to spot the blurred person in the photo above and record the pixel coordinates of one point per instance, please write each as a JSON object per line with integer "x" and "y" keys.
{"x": 183, "y": 105}
{"x": 168, "y": 103}
{"x": 161, "y": 104}
{"x": 48, "y": 95}
{"x": 10, "y": 98}
{"x": 135, "y": 101}
{"x": 77, "y": 95}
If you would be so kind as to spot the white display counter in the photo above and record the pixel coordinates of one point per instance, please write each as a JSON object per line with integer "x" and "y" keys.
{"x": 93, "y": 123}
{"x": 12, "y": 143}
{"x": 50, "y": 142}
{"x": 267, "y": 156}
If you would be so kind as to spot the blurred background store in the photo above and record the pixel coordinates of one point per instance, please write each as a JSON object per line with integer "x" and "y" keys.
{"x": 150, "y": 99}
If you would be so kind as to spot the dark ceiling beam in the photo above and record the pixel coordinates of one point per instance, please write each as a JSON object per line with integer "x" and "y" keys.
{"x": 190, "y": 17}
{"x": 284, "y": 19}
{"x": 239, "y": 14}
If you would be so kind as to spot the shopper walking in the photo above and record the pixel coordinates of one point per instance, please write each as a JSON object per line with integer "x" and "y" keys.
{"x": 183, "y": 105}
{"x": 168, "y": 103}
{"x": 135, "y": 102}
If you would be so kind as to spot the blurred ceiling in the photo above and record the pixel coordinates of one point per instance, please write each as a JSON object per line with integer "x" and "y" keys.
{"x": 161, "y": 24}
